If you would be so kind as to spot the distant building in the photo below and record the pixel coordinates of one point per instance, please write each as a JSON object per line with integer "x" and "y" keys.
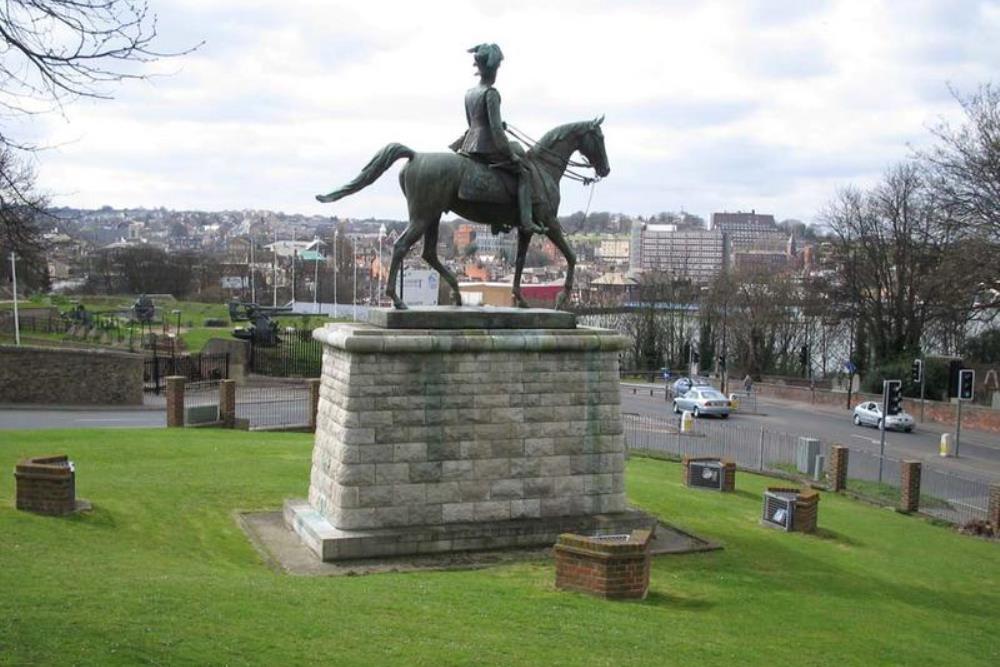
{"x": 464, "y": 236}
{"x": 755, "y": 242}
{"x": 499, "y": 294}
{"x": 687, "y": 253}
{"x": 613, "y": 249}
{"x": 487, "y": 244}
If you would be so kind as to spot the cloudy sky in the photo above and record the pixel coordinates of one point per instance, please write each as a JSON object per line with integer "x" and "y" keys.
{"x": 768, "y": 105}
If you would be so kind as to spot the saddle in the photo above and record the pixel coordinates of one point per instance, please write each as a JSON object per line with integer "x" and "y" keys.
{"x": 495, "y": 185}
{"x": 481, "y": 183}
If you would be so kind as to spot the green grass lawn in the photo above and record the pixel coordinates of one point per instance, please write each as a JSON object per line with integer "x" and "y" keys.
{"x": 160, "y": 573}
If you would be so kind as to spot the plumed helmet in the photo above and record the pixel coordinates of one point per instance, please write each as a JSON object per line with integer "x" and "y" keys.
{"x": 487, "y": 56}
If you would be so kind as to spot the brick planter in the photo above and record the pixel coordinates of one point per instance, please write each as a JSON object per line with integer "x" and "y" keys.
{"x": 804, "y": 505}
{"x": 613, "y": 567}
{"x": 727, "y": 472}
{"x": 46, "y": 485}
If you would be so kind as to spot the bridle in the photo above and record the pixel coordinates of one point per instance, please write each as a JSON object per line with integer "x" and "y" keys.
{"x": 569, "y": 173}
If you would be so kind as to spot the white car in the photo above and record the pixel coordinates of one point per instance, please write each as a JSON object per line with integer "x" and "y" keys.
{"x": 703, "y": 401}
{"x": 869, "y": 413}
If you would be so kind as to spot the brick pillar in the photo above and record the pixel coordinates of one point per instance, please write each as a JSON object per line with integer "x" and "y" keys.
{"x": 313, "y": 402}
{"x": 909, "y": 486}
{"x": 994, "y": 509}
{"x": 227, "y": 403}
{"x": 838, "y": 467}
{"x": 175, "y": 401}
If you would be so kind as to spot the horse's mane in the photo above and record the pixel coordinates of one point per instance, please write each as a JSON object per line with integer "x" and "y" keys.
{"x": 559, "y": 133}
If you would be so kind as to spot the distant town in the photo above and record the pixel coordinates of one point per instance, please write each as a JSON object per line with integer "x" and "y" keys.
{"x": 273, "y": 258}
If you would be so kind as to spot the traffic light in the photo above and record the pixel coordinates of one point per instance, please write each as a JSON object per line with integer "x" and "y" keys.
{"x": 917, "y": 371}
{"x": 893, "y": 397}
{"x": 722, "y": 361}
{"x": 695, "y": 357}
{"x": 966, "y": 384}
{"x": 804, "y": 355}
{"x": 954, "y": 366}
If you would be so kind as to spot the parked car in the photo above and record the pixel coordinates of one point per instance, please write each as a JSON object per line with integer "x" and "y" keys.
{"x": 869, "y": 413}
{"x": 703, "y": 400}
{"x": 685, "y": 384}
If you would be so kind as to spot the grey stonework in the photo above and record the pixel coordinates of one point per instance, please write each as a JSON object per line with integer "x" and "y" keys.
{"x": 437, "y": 427}
{"x": 51, "y": 375}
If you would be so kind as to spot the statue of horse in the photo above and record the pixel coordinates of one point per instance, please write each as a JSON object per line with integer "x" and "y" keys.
{"x": 434, "y": 183}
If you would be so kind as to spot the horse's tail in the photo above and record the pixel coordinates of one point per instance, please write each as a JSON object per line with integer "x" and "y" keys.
{"x": 375, "y": 168}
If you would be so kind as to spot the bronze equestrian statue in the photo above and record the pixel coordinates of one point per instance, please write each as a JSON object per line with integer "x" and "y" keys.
{"x": 435, "y": 183}
{"x": 486, "y": 138}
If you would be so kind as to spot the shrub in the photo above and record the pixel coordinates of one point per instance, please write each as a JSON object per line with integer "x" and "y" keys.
{"x": 216, "y": 322}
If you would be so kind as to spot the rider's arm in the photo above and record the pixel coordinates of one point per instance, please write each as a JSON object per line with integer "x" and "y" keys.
{"x": 496, "y": 123}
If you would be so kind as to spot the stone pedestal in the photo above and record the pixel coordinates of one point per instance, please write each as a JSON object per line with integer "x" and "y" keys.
{"x": 839, "y": 457}
{"x": 909, "y": 486}
{"x": 506, "y": 432}
{"x": 726, "y": 481}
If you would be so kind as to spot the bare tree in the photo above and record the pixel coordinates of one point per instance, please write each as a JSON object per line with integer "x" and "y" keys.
{"x": 964, "y": 166}
{"x": 901, "y": 260}
{"x": 59, "y": 50}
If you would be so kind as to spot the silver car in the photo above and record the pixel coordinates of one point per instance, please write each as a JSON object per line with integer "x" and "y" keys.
{"x": 869, "y": 413}
{"x": 703, "y": 401}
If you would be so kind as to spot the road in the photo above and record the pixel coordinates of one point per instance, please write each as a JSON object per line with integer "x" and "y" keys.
{"x": 42, "y": 418}
{"x": 979, "y": 453}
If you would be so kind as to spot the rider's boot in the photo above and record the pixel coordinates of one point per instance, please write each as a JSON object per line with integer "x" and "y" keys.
{"x": 524, "y": 204}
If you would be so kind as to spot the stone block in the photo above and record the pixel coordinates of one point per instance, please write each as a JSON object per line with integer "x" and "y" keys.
{"x": 428, "y": 471}
{"x": 506, "y": 489}
{"x": 458, "y": 512}
{"x": 392, "y": 473}
{"x": 379, "y": 495}
{"x": 492, "y": 511}
{"x": 475, "y": 490}
{"x": 409, "y": 452}
{"x": 409, "y": 494}
{"x": 444, "y": 492}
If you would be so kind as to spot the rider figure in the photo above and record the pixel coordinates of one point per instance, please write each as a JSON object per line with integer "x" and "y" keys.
{"x": 485, "y": 140}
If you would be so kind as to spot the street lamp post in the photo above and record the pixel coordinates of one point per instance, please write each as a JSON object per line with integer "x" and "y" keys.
{"x": 17, "y": 321}
{"x": 335, "y": 231}
{"x": 355, "y": 262}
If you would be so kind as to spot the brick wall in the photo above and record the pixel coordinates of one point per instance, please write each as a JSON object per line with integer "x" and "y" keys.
{"x": 60, "y": 376}
{"x": 614, "y": 569}
{"x": 909, "y": 486}
{"x": 973, "y": 416}
{"x": 839, "y": 457}
{"x": 46, "y": 485}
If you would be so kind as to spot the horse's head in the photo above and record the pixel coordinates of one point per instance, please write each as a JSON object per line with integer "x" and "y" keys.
{"x": 592, "y": 147}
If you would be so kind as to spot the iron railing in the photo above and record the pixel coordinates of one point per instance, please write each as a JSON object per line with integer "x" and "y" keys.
{"x": 943, "y": 494}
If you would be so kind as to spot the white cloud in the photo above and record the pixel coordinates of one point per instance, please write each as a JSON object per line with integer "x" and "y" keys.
{"x": 710, "y": 106}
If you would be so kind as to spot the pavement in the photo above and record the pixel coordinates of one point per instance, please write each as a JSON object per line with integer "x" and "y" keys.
{"x": 979, "y": 453}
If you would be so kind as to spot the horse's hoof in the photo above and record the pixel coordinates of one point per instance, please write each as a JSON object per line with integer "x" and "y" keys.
{"x": 323, "y": 199}
{"x": 399, "y": 305}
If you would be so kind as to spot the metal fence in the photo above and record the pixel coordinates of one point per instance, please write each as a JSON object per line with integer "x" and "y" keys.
{"x": 274, "y": 407}
{"x": 297, "y": 355}
{"x": 194, "y": 368}
{"x": 943, "y": 494}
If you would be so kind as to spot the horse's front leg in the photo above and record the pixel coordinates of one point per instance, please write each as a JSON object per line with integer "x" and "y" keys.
{"x": 555, "y": 234}
{"x": 523, "y": 240}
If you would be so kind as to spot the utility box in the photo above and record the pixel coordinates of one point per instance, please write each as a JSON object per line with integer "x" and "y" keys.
{"x": 805, "y": 457}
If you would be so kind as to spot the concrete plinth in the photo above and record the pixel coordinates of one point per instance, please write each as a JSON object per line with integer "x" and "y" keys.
{"x": 450, "y": 439}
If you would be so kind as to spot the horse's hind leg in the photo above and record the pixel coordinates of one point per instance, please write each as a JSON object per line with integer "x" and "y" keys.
{"x": 399, "y": 249}
{"x": 431, "y": 257}
{"x": 523, "y": 240}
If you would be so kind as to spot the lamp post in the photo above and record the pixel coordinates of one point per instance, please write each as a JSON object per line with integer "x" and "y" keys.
{"x": 378, "y": 294}
{"x": 17, "y": 321}
{"x": 316, "y": 282}
{"x": 355, "y": 262}
{"x": 335, "y": 231}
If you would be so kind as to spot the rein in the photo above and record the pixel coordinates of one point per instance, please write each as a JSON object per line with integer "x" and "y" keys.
{"x": 569, "y": 173}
